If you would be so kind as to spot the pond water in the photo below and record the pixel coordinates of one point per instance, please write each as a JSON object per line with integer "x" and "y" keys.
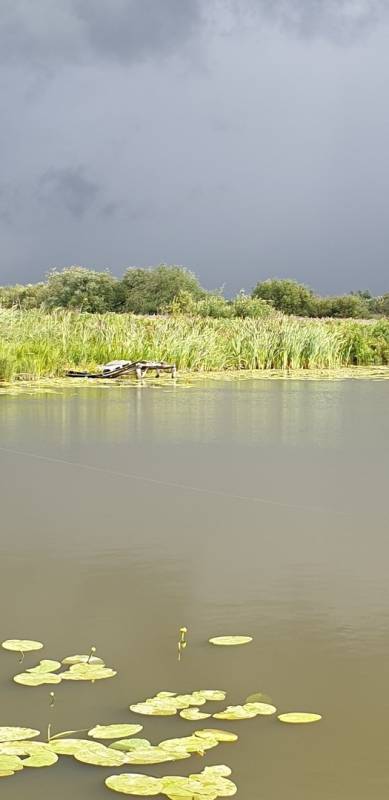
{"x": 256, "y": 507}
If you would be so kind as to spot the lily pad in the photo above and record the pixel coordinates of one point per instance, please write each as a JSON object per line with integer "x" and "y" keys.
{"x": 37, "y": 679}
{"x": 129, "y": 745}
{"x": 299, "y": 717}
{"x": 99, "y": 755}
{"x": 161, "y": 709}
{"x": 6, "y": 773}
{"x": 193, "y": 714}
{"x": 185, "y": 700}
{"x": 21, "y": 645}
{"x": 114, "y": 731}
{"x": 235, "y": 712}
{"x": 192, "y": 744}
{"x": 45, "y": 666}
{"x": 213, "y": 694}
{"x": 258, "y": 697}
{"x": 220, "y": 736}
{"x": 68, "y": 747}
{"x": 83, "y": 659}
{"x": 87, "y": 672}
{"x": 221, "y": 770}
{"x": 142, "y": 785}
{"x": 261, "y": 708}
{"x": 40, "y": 758}
{"x": 10, "y": 764}
{"x": 155, "y": 755}
{"x": 228, "y": 641}
{"x": 16, "y": 734}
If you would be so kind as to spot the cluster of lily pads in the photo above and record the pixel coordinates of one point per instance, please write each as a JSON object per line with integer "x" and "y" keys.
{"x": 79, "y": 667}
{"x": 17, "y": 751}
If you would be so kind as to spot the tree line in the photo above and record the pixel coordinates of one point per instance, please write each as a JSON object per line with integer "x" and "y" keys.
{"x": 175, "y": 290}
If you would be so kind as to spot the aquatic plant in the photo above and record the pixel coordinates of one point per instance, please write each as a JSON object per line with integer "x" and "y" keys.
{"x": 38, "y": 344}
{"x": 229, "y": 641}
{"x": 299, "y": 717}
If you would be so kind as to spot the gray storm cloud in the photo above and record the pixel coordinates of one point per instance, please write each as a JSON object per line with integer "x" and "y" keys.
{"x": 243, "y": 138}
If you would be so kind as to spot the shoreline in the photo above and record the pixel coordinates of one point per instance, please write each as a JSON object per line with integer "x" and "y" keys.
{"x": 187, "y": 379}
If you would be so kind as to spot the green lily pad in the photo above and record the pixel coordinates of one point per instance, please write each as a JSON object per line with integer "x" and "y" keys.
{"x": 161, "y": 709}
{"x": 154, "y": 755}
{"x": 261, "y": 708}
{"x": 142, "y": 785}
{"x": 21, "y": 645}
{"x": 114, "y": 731}
{"x": 220, "y": 736}
{"x": 299, "y": 717}
{"x": 213, "y": 694}
{"x": 99, "y": 755}
{"x": 258, "y": 697}
{"x": 129, "y": 745}
{"x": 10, "y": 764}
{"x": 228, "y": 641}
{"x": 193, "y": 714}
{"x": 45, "y": 666}
{"x": 235, "y": 712}
{"x": 40, "y": 758}
{"x": 6, "y": 773}
{"x": 83, "y": 659}
{"x": 185, "y": 700}
{"x": 220, "y": 770}
{"x": 192, "y": 744}
{"x": 87, "y": 672}
{"x": 15, "y": 734}
{"x": 68, "y": 747}
{"x": 37, "y": 679}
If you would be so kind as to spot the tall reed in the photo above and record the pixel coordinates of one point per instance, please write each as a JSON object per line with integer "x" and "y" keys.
{"x": 47, "y": 344}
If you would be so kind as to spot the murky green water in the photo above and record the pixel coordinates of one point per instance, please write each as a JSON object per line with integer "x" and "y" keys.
{"x": 118, "y": 553}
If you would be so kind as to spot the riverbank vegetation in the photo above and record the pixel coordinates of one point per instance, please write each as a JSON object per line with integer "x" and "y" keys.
{"x": 36, "y": 344}
{"x": 174, "y": 290}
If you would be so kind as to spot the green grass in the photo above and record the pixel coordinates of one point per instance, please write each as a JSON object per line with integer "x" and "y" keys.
{"x": 41, "y": 344}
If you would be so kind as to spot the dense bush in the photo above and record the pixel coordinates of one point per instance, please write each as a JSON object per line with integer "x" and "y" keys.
{"x": 148, "y": 291}
{"x": 175, "y": 290}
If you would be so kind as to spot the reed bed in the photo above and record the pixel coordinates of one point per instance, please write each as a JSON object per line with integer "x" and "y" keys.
{"x": 38, "y": 344}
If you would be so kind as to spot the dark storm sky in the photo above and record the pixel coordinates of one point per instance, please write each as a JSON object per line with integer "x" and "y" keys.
{"x": 241, "y": 138}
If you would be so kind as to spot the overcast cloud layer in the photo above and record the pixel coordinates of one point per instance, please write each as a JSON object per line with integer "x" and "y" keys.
{"x": 241, "y": 138}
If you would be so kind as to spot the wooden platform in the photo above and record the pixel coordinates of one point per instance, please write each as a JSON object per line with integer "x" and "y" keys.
{"x": 119, "y": 368}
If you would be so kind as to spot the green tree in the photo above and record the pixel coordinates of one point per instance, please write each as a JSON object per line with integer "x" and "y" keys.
{"x": 245, "y": 306}
{"x": 83, "y": 289}
{"x": 31, "y": 295}
{"x": 148, "y": 291}
{"x": 287, "y": 296}
{"x": 343, "y": 306}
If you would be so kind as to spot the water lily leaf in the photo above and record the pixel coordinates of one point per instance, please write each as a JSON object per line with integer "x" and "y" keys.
{"x": 15, "y": 734}
{"x": 87, "y": 672}
{"x": 185, "y": 700}
{"x": 154, "y": 710}
{"x": 220, "y": 770}
{"x": 192, "y": 744}
{"x": 99, "y": 755}
{"x": 155, "y": 755}
{"x": 179, "y": 788}
{"x": 128, "y": 745}
{"x": 21, "y": 645}
{"x": 213, "y": 694}
{"x": 47, "y": 665}
{"x": 235, "y": 712}
{"x": 114, "y": 731}
{"x": 220, "y": 736}
{"x": 5, "y": 773}
{"x": 231, "y": 640}
{"x": 83, "y": 659}
{"x": 193, "y": 714}
{"x": 258, "y": 697}
{"x": 142, "y": 785}
{"x": 163, "y": 695}
{"x": 68, "y": 747}
{"x": 37, "y": 679}
{"x": 40, "y": 758}
{"x": 260, "y": 708}
{"x": 10, "y": 764}
{"x": 299, "y": 717}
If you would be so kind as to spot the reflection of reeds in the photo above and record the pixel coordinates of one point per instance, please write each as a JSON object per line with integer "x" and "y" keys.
{"x": 39, "y": 344}
{"x": 182, "y": 641}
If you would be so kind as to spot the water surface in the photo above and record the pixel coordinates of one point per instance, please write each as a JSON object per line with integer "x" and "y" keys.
{"x": 257, "y": 507}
